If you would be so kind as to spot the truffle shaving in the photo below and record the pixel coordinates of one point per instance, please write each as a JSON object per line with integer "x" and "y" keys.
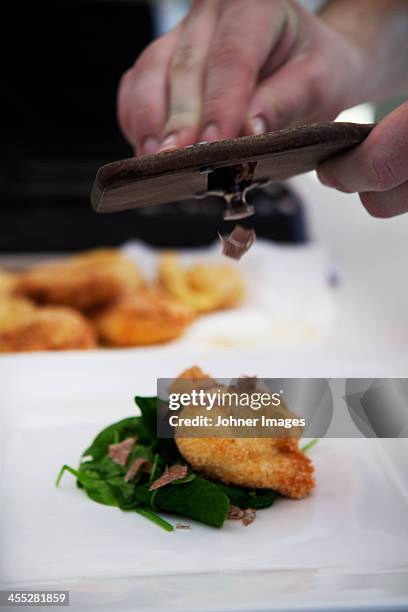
{"x": 175, "y": 472}
{"x": 235, "y": 513}
{"x": 249, "y": 516}
{"x": 238, "y": 242}
{"x": 119, "y": 453}
{"x": 247, "y": 383}
{"x": 246, "y": 516}
{"x": 138, "y": 465}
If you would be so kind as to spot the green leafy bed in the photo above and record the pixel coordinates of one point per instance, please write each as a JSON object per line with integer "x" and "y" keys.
{"x": 192, "y": 496}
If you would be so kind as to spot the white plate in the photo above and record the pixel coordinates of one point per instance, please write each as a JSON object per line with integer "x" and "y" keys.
{"x": 343, "y": 548}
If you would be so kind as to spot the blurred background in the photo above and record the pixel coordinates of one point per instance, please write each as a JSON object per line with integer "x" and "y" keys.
{"x": 60, "y": 104}
{"x": 61, "y": 126}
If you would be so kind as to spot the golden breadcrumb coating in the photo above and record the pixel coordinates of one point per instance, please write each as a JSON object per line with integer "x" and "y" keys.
{"x": 264, "y": 463}
{"x": 204, "y": 287}
{"x": 148, "y": 317}
{"x": 85, "y": 281}
{"x": 8, "y": 283}
{"x": 15, "y": 310}
{"x": 26, "y": 327}
{"x": 270, "y": 463}
{"x": 98, "y": 254}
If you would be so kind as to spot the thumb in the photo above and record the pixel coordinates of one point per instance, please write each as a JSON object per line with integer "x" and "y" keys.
{"x": 379, "y": 164}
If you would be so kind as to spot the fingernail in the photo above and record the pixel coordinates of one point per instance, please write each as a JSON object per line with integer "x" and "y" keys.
{"x": 149, "y": 146}
{"x": 210, "y": 133}
{"x": 169, "y": 142}
{"x": 258, "y": 125}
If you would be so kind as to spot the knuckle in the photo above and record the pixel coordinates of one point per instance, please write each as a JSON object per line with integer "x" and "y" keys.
{"x": 215, "y": 105}
{"x": 279, "y": 114}
{"x": 185, "y": 59}
{"x": 180, "y": 112}
{"x": 382, "y": 168}
{"x": 230, "y": 56}
{"x": 232, "y": 74}
{"x": 180, "y": 118}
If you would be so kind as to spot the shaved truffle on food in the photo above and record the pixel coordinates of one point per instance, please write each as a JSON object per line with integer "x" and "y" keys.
{"x": 139, "y": 464}
{"x": 175, "y": 472}
{"x": 249, "y": 516}
{"x": 235, "y": 513}
{"x": 246, "y": 383}
{"x": 119, "y": 452}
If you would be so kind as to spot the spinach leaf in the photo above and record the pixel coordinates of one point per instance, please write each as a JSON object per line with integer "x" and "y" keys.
{"x": 111, "y": 435}
{"x": 148, "y": 432}
{"x": 104, "y": 493}
{"x": 196, "y": 499}
{"x": 152, "y": 516}
{"x": 249, "y": 498}
{"x": 192, "y": 497}
{"x": 113, "y": 475}
{"x": 148, "y": 408}
{"x": 92, "y": 482}
{"x": 307, "y": 447}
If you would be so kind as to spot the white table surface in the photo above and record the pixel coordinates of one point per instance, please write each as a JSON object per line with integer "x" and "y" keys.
{"x": 371, "y": 256}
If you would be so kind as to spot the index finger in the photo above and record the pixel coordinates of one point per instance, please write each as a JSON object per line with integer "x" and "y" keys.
{"x": 142, "y": 96}
{"x": 245, "y": 37}
{"x": 186, "y": 74}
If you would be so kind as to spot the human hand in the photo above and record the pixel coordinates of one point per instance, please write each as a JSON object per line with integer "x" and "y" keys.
{"x": 233, "y": 67}
{"x": 377, "y": 169}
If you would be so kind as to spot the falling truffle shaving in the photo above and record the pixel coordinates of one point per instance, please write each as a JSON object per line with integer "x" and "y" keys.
{"x": 119, "y": 453}
{"x": 175, "y": 472}
{"x": 238, "y": 242}
{"x": 138, "y": 465}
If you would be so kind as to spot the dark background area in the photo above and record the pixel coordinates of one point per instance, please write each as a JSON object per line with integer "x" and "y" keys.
{"x": 60, "y": 126}
{"x": 60, "y": 105}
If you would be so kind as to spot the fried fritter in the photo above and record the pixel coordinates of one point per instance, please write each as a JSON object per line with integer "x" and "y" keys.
{"x": 85, "y": 281}
{"x": 263, "y": 463}
{"x": 148, "y": 317}
{"x": 8, "y": 283}
{"x": 26, "y": 327}
{"x": 271, "y": 463}
{"x": 204, "y": 287}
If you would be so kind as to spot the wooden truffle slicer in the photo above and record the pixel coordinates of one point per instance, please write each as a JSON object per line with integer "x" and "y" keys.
{"x": 228, "y": 168}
